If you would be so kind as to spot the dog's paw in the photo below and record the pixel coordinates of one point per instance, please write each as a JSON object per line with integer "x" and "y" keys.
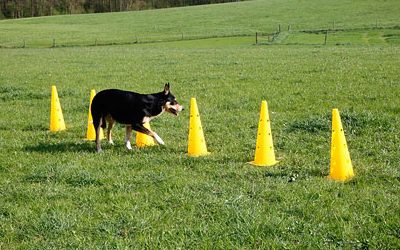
{"x": 100, "y": 151}
{"x": 111, "y": 142}
{"x": 159, "y": 140}
{"x": 128, "y": 145}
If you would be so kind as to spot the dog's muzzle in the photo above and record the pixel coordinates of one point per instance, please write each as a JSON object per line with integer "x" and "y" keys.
{"x": 175, "y": 109}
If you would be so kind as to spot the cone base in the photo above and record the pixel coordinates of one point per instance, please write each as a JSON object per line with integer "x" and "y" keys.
{"x": 142, "y": 145}
{"x": 263, "y": 165}
{"x": 56, "y": 130}
{"x": 93, "y": 137}
{"x": 345, "y": 178}
{"x": 197, "y": 155}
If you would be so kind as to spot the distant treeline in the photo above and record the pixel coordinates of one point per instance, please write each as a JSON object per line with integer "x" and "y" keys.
{"x": 35, "y": 8}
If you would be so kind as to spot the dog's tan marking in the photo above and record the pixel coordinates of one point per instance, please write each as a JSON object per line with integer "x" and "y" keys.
{"x": 98, "y": 146}
{"x": 111, "y": 125}
{"x": 145, "y": 119}
{"x": 173, "y": 108}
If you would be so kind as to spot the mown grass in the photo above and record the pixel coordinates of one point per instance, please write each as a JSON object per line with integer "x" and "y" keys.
{"x": 388, "y": 35}
{"x": 231, "y": 19}
{"x": 56, "y": 192}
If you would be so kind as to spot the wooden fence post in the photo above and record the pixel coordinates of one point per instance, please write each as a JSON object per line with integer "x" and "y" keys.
{"x": 54, "y": 43}
{"x": 24, "y": 43}
{"x": 95, "y": 42}
{"x": 279, "y": 28}
{"x": 288, "y": 28}
{"x": 256, "y": 37}
{"x": 326, "y": 36}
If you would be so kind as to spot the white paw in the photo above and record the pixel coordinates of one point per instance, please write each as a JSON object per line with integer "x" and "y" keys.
{"x": 111, "y": 142}
{"x": 159, "y": 140}
{"x": 99, "y": 151}
{"x": 128, "y": 145}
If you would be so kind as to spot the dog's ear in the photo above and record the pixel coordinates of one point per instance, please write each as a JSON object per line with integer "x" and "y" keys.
{"x": 166, "y": 89}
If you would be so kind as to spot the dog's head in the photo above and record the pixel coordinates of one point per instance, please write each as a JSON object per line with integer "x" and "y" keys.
{"x": 171, "y": 105}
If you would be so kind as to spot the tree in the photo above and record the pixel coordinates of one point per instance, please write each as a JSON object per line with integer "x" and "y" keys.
{"x": 34, "y": 8}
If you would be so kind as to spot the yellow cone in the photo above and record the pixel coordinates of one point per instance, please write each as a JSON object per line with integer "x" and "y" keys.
{"x": 56, "y": 116}
{"x": 91, "y": 133}
{"x": 341, "y": 168}
{"x": 143, "y": 140}
{"x": 265, "y": 155}
{"x": 197, "y": 144}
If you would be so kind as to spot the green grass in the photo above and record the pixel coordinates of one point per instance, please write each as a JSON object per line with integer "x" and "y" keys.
{"x": 243, "y": 18}
{"x": 56, "y": 192}
{"x": 390, "y": 35}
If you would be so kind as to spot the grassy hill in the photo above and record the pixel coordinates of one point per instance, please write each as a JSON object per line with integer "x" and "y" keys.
{"x": 243, "y": 18}
{"x": 56, "y": 192}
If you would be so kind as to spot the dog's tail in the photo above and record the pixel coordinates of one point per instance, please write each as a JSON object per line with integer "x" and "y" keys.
{"x": 97, "y": 115}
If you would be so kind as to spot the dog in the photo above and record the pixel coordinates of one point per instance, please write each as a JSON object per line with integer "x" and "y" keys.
{"x": 132, "y": 109}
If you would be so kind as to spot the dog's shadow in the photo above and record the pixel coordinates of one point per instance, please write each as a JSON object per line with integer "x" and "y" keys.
{"x": 88, "y": 147}
{"x": 59, "y": 147}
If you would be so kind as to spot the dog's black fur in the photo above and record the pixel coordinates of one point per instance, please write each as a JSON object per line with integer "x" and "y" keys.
{"x": 131, "y": 109}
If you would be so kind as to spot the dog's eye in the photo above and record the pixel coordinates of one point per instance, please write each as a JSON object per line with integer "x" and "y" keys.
{"x": 173, "y": 102}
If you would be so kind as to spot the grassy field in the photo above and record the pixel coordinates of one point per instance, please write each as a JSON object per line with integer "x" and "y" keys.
{"x": 389, "y": 35}
{"x": 244, "y": 18}
{"x": 56, "y": 192}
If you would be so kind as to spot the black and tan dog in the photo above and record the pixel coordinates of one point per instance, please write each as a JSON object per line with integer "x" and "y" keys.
{"x": 131, "y": 109}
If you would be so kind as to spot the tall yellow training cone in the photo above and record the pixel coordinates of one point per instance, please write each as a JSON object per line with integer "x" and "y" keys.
{"x": 143, "y": 140}
{"x": 56, "y": 117}
{"x": 341, "y": 168}
{"x": 197, "y": 144}
{"x": 91, "y": 133}
{"x": 265, "y": 155}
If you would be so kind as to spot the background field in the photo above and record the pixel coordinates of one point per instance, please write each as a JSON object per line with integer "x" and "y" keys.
{"x": 230, "y": 19}
{"x": 57, "y": 193}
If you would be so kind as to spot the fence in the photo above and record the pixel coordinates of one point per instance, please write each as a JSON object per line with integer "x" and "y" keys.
{"x": 330, "y": 36}
{"x": 281, "y": 36}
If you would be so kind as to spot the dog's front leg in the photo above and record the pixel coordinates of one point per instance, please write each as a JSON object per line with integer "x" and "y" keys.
{"x": 158, "y": 139}
{"x": 128, "y": 137}
{"x": 140, "y": 128}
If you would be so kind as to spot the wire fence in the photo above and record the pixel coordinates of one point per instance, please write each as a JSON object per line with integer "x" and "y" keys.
{"x": 331, "y": 36}
{"x": 283, "y": 35}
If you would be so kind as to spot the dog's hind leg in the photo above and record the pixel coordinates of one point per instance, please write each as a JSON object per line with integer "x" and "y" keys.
{"x": 97, "y": 125}
{"x": 111, "y": 124}
{"x": 140, "y": 128}
{"x": 103, "y": 123}
{"x": 128, "y": 137}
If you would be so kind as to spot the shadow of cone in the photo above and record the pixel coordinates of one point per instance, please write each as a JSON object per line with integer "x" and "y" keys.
{"x": 341, "y": 168}
{"x": 56, "y": 117}
{"x": 265, "y": 155}
{"x": 91, "y": 133}
{"x": 143, "y": 140}
{"x": 197, "y": 144}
